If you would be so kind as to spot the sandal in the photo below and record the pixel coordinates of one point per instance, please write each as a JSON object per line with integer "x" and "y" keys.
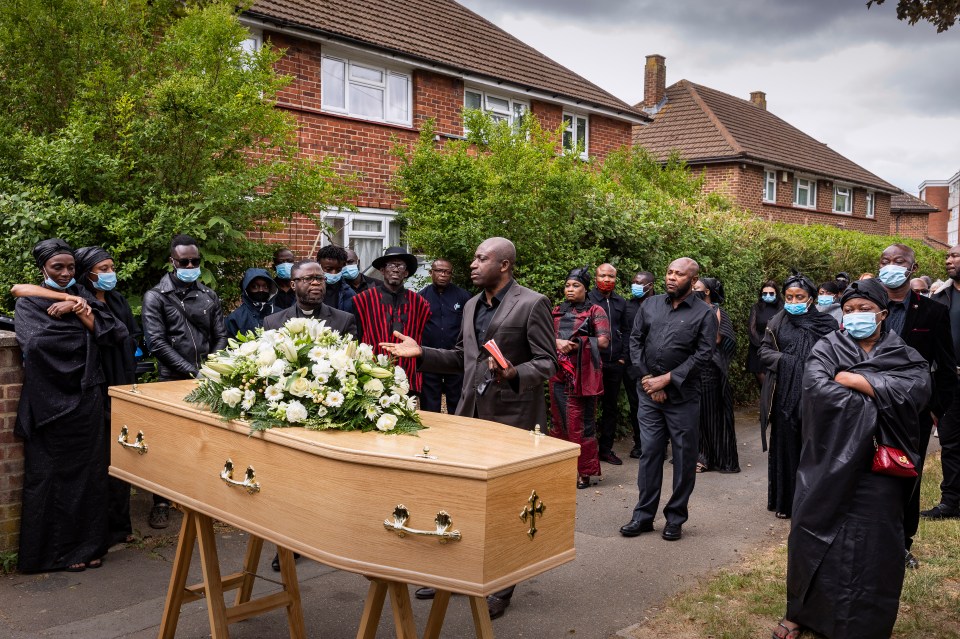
{"x": 701, "y": 467}
{"x": 80, "y": 567}
{"x": 793, "y": 633}
{"x": 93, "y": 564}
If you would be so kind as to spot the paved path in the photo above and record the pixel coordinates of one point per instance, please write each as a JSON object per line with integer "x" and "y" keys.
{"x": 610, "y": 587}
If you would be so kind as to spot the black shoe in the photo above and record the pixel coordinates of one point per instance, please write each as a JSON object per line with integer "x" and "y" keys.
{"x": 910, "y": 561}
{"x": 275, "y": 564}
{"x": 611, "y": 458}
{"x": 635, "y": 452}
{"x": 941, "y": 511}
{"x": 496, "y": 606}
{"x": 424, "y": 593}
{"x": 159, "y": 516}
{"x": 672, "y": 532}
{"x": 634, "y": 528}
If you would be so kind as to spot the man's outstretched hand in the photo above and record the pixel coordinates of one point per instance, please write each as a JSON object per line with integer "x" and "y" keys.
{"x": 407, "y": 347}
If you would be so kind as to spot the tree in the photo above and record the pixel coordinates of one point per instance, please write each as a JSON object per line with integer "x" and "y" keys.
{"x": 941, "y": 13}
{"x": 123, "y": 123}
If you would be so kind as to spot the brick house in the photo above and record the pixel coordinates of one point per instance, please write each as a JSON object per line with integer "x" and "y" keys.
{"x": 368, "y": 73}
{"x": 944, "y": 195}
{"x": 910, "y": 217}
{"x": 762, "y": 163}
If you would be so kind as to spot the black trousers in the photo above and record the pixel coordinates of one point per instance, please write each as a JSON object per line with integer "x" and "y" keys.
{"x": 632, "y": 386}
{"x": 949, "y": 431}
{"x": 680, "y": 422}
{"x": 612, "y": 378}
{"x": 911, "y": 507}
{"x": 435, "y": 385}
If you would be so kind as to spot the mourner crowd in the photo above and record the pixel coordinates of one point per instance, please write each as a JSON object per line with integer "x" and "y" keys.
{"x": 849, "y": 370}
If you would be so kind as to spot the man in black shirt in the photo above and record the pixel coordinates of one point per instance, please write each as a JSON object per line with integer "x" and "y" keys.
{"x": 672, "y": 339}
{"x": 612, "y": 357}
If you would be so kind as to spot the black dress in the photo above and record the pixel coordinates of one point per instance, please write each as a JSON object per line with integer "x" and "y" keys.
{"x": 61, "y": 419}
{"x": 760, "y": 314}
{"x": 718, "y": 436}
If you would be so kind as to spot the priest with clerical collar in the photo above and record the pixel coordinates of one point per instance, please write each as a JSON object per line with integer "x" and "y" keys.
{"x": 391, "y": 307}
{"x": 308, "y": 283}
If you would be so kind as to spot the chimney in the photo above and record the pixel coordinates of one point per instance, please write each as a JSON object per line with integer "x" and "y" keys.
{"x": 759, "y": 98}
{"x": 654, "y": 81}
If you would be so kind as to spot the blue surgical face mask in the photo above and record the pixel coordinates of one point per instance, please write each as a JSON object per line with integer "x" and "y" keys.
{"x": 768, "y": 297}
{"x": 824, "y": 300}
{"x": 49, "y": 281}
{"x": 332, "y": 278}
{"x": 188, "y": 274}
{"x": 893, "y": 276}
{"x": 350, "y": 272}
{"x": 638, "y": 290}
{"x": 284, "y": 270}
{"x": 860, "y": 325}
{"x": 796, "y": 309}
{"x": 105, "y": 281}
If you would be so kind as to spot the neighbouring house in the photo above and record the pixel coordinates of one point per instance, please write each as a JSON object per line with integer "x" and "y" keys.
{"x": 367, "y": 74}
{"x": 910, "y": 217}
{"x": 945, "y": 196}
{"x": 762, "y": 163}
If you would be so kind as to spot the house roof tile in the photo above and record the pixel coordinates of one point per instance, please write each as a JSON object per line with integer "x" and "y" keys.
{"x": 441, "y": 31}
{"x": 906, "y": 203}
{"x": 706, "y": 125}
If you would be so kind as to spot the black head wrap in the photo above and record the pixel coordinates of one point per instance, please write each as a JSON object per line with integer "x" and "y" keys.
{"x": 45, "y": 249}
{"x": 715, "y": 286}
{"x": 581, "y": 274}
{"x": 870, "y": 289}
{"x": 799, "y": 280}
{"x": 88, "y": 257}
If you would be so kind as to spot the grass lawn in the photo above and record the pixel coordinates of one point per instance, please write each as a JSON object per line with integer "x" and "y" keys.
{"x": 746, "y": 600}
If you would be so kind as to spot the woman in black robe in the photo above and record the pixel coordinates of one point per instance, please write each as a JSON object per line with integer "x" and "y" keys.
{"x": 60, "y": 418}
{"x": 95, "y": 272}
{"x": 845, "y": 551}
{"x": 769, "y": 304}
{"x": 718, "y": 435}
{"x": 786, "y": 344}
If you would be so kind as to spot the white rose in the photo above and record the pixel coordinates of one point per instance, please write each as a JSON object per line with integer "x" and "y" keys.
{"x": 273, "y": 393}
{"x": 248, "y": 348}
{"x": 373, "y": 387}
{"x": 387, "y": 422}
{"x": 296, "y": 325}
{"x": 364, "y": 352}
{"x": 249, "y": 399}
{"x": 278, "y": 368}
{"x": 334, "y": 399}
{"x": 266, "y": 356}
{"x": 301, "y": 387}
{"x": 322, "y": 368}
{"x": 399, "y": 375}
{"x": 296, "y": 412}
{"x": 231, "y": 396}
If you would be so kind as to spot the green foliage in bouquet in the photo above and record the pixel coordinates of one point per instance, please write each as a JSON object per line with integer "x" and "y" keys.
{"x": 305, "y": 374}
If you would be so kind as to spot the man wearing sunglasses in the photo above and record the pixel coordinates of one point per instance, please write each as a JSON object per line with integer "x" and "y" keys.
{"x": 182, "y": 324}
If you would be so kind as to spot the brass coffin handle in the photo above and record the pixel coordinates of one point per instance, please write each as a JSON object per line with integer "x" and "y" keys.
{"x": 249, "y": 482}
{"x": 442, "y": 521}
{"x": 139, "y": 445}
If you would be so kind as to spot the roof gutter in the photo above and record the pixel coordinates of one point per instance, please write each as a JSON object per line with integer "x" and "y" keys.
{"x": 287, "y": 27}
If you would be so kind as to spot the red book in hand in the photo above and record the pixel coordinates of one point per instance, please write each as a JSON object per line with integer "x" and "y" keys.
{"x": 494, "y": 350}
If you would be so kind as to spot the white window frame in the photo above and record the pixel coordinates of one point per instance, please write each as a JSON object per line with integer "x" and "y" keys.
{"x": 811, "y": 188}
{"x": 847, "y": 209}
{"x": 572, "y": 129}
{"x": 348, "y": 80}
{"x": 870, "y": 201}
{"x": 769, "y": 182}
{"x": 255, "y": 40}
{"x": 513, "y": 114}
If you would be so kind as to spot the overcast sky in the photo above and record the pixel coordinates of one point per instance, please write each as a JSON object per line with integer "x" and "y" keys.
{"x": 881, "y": 92}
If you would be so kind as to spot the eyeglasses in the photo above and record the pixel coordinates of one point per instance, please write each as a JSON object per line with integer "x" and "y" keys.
{"x": 395, "y": 266}
{"x": 441, "y": 271}
{"x": 186, "y": 262}
{"x": 309, "y": 278}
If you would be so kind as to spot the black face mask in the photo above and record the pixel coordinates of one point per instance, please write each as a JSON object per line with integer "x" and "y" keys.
{"x": 259, "y": 298}
{"x": 700, "y": 295}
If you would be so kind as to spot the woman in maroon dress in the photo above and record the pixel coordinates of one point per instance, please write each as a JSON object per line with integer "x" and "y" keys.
{"x": 582, "y": 330}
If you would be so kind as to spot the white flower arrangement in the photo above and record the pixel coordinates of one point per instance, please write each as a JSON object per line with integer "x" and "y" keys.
{"x": 305, "y": 374}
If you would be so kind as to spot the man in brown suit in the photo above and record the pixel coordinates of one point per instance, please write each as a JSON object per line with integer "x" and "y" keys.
{"x": 520, "y": 322}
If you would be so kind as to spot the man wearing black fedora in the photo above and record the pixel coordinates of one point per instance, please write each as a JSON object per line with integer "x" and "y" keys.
{"x": 383, "y": 310}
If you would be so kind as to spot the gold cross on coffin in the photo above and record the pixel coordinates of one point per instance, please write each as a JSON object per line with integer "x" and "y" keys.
{"x": 535, "y": 507}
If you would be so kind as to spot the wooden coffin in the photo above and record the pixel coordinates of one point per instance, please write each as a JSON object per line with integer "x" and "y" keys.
{"x": 332, "y": 495}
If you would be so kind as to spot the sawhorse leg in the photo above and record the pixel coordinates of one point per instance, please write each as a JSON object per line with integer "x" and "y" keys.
{"x": 403, "y": 615}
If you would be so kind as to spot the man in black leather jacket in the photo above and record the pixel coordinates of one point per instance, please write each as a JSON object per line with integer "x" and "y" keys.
{"x": 182, "y": 323}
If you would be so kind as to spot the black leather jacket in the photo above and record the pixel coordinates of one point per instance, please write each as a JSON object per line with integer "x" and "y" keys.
{"x": 181, "y": 334}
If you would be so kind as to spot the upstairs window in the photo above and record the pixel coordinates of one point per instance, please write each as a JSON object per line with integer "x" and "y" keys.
{"x": 871, "y": 204}
{"x": 770, "y": 186}
{"x": 365, "y": 91}
{"x": 842, "y": 200}
{"x": 805, "y": 193}
{"x": 575, "y": 134}
{"x": 500, "y": 108}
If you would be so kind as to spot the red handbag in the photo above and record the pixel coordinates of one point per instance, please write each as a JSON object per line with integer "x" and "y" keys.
{"x": 892, "y": 461}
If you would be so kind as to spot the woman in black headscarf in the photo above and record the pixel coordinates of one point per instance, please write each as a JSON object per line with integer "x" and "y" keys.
{"x": 718, "y": 436}
{"x": 582, "y": 330}
{"x": 845, "y": 551}
{"x": 61, "y": 418}
{"x": 769, "y": 304}
{"x": 786, "y": 344}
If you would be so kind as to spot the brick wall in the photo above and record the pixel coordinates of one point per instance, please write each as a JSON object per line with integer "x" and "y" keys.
{"x": 743, "y": 183}
{"x": 11, "y": 449}
{"x": 938, "y": 196}
{"x": 912, "y": 225}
